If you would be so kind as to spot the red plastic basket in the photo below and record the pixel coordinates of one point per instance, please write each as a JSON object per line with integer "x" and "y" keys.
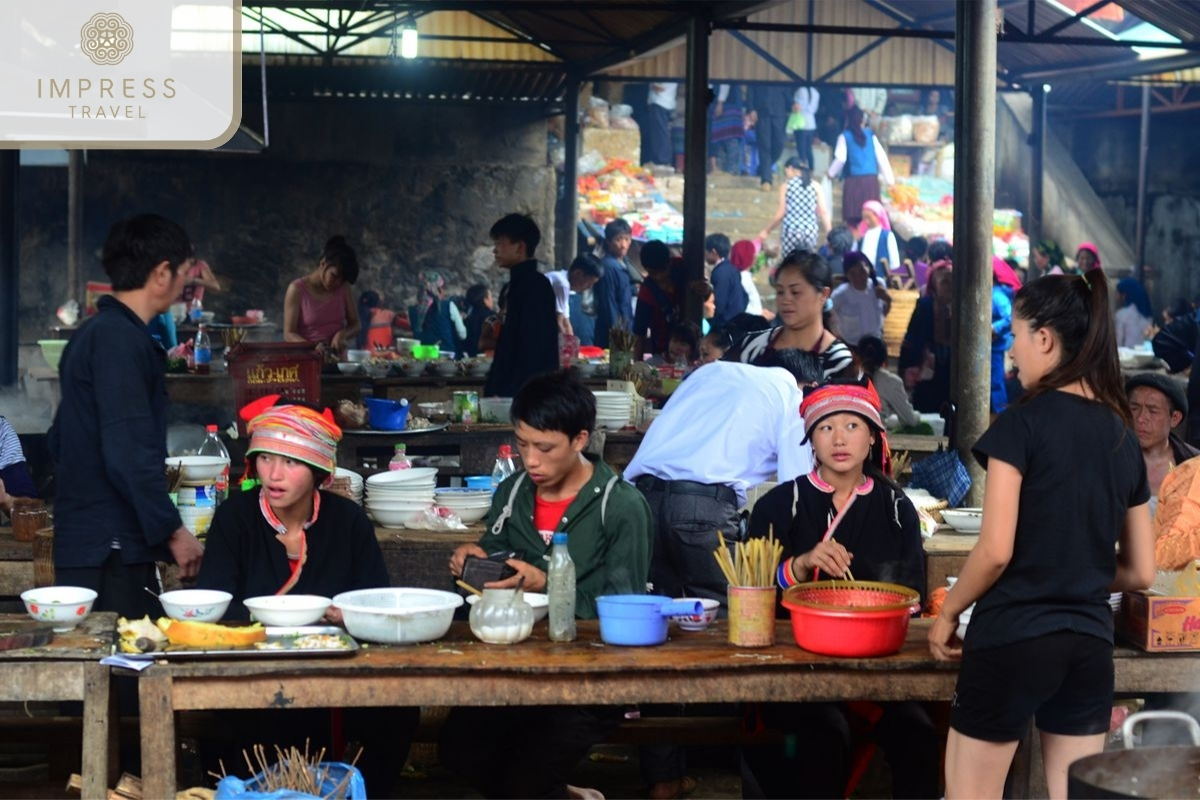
{"x": 850, "y": 618}
{"x": 291, "y": 369}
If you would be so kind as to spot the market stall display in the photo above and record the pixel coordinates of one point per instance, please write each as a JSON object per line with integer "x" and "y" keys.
{"x": 922, "y": 205}
{"x": 614, "y": 188}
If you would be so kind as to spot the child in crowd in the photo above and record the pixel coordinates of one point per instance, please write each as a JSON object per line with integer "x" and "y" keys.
{"x": 1048, "y": 557}
{"x": 879, "y": 537}
{"x": 872, "y": 354}
{"x": 380, "y": 325}
{"x": 861, "y": 303}
{"x": 916, "y": 264}
{"x": 684, "y": 344}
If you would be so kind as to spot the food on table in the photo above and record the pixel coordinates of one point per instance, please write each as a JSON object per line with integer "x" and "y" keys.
{"x": 139, "y": 635}
{"x": 308, "y": 641}
{"x": 209, "y": 635}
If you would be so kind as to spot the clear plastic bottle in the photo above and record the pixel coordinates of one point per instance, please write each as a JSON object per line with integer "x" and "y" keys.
{"x": 213, "y": 446}
{"x": 504, "y": 465}
{"x": 195, "y": 310}
{"x": 400, "y": 460}
{"x": 202, "y": 351}
{"x": 560, "y": 588}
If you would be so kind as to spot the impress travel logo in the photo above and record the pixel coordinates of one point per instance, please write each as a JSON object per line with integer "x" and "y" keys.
{"x": 119, "y": 73}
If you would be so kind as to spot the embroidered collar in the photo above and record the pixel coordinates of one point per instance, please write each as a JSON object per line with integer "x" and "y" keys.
{"x": 272, "y": 520}
{"x": 818, "y": 482}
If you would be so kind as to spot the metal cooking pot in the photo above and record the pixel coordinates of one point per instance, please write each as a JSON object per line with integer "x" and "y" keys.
{"x": 1159, "y": 772}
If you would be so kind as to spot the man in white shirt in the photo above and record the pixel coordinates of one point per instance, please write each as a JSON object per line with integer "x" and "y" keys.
{"x": 657, "y": 145}
{"x": 728, "y": 427}
{"x": 582, "y": 275}
{"x": 805, "y": 103}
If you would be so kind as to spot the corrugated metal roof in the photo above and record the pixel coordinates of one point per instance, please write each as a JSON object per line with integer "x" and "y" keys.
{"x": 1180, "y": 19}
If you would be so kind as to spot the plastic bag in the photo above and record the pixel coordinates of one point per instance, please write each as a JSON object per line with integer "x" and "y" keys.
{"x": 592, "y": 162}
{"x": 233, "y": 788}
{"x": 597, "y": 113}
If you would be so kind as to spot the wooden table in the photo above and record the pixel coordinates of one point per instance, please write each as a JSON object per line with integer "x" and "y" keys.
{"x": 16, "y": 564}
{"x": 945, "y": 553}
{"x": 459, "y": 671}
{"x": 69, "y": 668}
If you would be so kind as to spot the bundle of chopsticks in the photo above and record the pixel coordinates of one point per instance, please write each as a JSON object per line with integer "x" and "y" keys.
{"x": 294, "y": 771}
{"x": 753, "y": 564}
{"x": 619, "y": 338}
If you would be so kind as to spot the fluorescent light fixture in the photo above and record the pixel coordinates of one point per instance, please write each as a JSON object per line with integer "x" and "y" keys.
{"x": 1046, "y": 88}
{"x": 408, "y": 42}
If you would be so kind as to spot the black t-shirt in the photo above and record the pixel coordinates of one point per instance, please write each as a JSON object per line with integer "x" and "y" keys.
{"x": 1081, "y": 470}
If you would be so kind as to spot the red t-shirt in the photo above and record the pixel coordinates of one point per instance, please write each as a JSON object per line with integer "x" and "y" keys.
{"x": 547, "y": 515}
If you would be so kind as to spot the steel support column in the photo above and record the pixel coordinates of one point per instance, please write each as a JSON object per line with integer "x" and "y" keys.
{"x": 1037, "y": 162}
{"x": 74, "y": 225}
{"x": 695, "y": 157}
{"x": 1143, "y": 157}
{"x": 974, "y": 193}
{"x": 10, "y": 161}
{"x": 567, "y": 235}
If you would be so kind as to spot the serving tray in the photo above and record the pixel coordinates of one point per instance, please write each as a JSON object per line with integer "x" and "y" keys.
{"x": 437, "y": 426}
{"x": 280, "y": 643}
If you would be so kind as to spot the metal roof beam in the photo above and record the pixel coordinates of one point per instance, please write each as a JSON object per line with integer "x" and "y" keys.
{"x": 842, "y": 30}
{"x": 765, "y": 55}
{"x": 1066, "y": 23}
{"x": 905, "y": 21}
{"x": 1106, "y": 70}
{"x": 860, "y": 54}
{"x": 499, "y": 6}
{"x": 1018, "y": 37}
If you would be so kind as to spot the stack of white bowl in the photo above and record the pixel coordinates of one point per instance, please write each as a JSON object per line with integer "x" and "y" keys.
{"x": 613, "y": 410}
{"x": 471, "y": 505}
{"x": 355, "y": 480}
{"x": 399, "y": 496}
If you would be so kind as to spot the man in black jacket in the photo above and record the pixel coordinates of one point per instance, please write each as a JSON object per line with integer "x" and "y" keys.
{"x": 113, "y": 518}
{"x": 528, "y": 343}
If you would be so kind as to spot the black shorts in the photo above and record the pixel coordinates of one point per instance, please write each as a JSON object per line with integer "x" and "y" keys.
{"x": 1063, "y": 679}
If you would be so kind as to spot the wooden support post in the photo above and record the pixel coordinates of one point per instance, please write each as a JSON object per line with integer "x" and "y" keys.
{"x": 101, "y": 728}
{"x": 568, "y": 208}
{"x": 74, "y": 226}
{"x": 9, "y": 268}
{"x": 695, "y": 157}
{"x": 158, "y": 734}
{"x": 974, "y": 193}
{"x": 1143, "y": 159}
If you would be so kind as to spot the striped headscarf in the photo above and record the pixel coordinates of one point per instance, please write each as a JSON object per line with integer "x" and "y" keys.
{"x": 295, "y": 432}
{"x": 839, "y": 398}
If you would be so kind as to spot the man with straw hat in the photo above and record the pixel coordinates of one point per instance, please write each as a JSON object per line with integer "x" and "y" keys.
{"x": 283, "y": 534}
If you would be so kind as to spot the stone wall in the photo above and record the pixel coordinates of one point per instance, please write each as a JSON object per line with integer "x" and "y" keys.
{"x": 411, "y": 187}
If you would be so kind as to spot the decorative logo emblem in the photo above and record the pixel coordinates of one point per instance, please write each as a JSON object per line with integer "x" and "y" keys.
{"x": 106, "y": 39}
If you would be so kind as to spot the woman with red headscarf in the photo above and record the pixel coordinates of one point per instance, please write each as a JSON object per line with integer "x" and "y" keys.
{"x": 742, "y": 256}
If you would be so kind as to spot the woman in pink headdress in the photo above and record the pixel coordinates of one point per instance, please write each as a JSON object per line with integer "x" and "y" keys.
{"x": 1087, "y": 258}
{"x": 877, "y": 240}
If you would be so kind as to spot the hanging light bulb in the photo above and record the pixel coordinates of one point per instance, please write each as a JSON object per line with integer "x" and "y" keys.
{"x": 408, "y": 42}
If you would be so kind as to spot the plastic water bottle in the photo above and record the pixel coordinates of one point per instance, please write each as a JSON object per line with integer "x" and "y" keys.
{"x": 400, "y": 460}
{"x": 195, "y": 310}
{"x": 560, "y": 587}
{"x": 213, "y": 446}
{"x": 504, "y": 466}
{"x": 202, "y": 351}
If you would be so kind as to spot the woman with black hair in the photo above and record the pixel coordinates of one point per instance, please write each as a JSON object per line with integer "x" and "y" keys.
{"x": 865, "y": 160}
{"x": 480, "y": 309}
{"x": 318, "y": 307}
{"x": 879, "y": 537}
{"x": 801, "y": 210}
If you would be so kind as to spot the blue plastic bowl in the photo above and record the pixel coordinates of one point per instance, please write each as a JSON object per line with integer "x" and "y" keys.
{"x": 386, "y": 415}
{"x": 637, "y": 620}
{"x": 479, "y": 482}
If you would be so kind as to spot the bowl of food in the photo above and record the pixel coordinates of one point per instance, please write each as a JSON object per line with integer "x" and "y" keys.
{"x": 444, "y": 368}
{"x": 349, "y": 367}
{"x": 477, "y": 367}
{"x": 405, "y": 346}
{"x": 698, "y": 622}
{"x": 198, "y": 468}
{"x": 410, "y": 368}
{"x": 397, "y": 615}
{"x": 964, "y": 520}
{"x": 540, "y": 603}
{"x": 358, "y": 355}
{"x": 63, "y": 607}
{"x": 197, "y": 605}
{"x": 288, "y": 610}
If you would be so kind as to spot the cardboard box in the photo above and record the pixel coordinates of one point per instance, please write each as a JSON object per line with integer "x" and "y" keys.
{"x": 1160, "y": 624}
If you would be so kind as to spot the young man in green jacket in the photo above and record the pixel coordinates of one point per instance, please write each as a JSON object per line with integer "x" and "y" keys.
{"x": 529, "y": 752}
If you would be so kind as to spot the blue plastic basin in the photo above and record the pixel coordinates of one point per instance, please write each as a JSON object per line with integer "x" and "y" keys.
{"x": 479, "y": 482}
{"x": 639, "y": 619}
{"x": 386, "y": 415}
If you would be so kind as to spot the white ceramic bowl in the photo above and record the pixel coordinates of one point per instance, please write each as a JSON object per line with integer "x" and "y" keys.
{"x": 398, "y": 476}
{"x": 397, "y": 616}
{"x": 288, "y": 610}
{"x": 389, "y": 518}
{"x": 349, "y": 367}
{"x": 63, "y": 607}
{"x": 412, "y": 369}
{"x": 443, "y": 368}
{"x": 540, "y": 603}
{"x": 358, "y": 355}
{"x": 398, "y": 505}
{"x": 691, "y": 622}
{"x": 964, "y": 520}
{"x": 470, "y": 515}
{"x": 198, "y": 468}
{"x": 195, "y": 605}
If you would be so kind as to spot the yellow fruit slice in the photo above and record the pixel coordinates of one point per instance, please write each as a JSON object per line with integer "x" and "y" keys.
{"x": 210, "y": 636}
